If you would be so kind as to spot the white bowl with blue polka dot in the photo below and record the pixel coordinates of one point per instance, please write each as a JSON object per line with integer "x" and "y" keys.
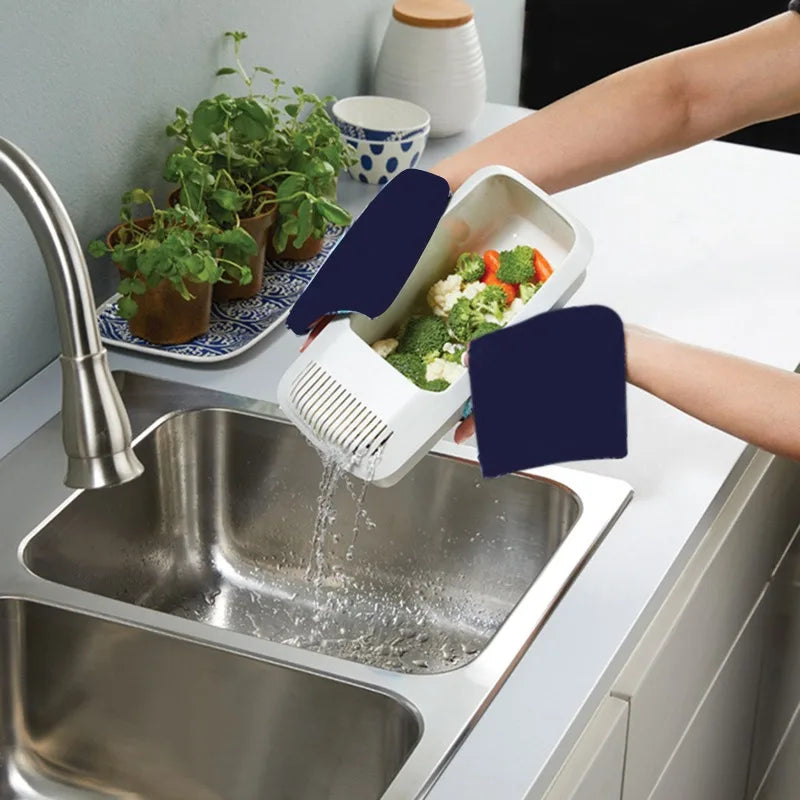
{"x": 388, "y": 135}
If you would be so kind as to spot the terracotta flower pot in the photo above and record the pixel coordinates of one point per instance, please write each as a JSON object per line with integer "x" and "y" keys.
{"x": 164, "y": 317}
{"x": 259, "y": 228}
{"x": 113, "y": 238}
{"x": 311, "y": 247}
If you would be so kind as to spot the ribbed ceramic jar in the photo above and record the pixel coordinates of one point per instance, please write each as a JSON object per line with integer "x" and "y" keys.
{"x": 431, "y": 56}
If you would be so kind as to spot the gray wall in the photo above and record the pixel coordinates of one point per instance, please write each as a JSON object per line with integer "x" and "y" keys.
{"x": 87, "y": 87}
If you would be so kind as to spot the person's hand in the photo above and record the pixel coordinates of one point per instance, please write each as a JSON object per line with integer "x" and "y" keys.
{"x": 464, "y": 430}
{"x": 316, "y": 330}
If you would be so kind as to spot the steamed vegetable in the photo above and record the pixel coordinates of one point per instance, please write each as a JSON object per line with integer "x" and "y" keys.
{"x": 492, "y": 301}
{"x": 484, "y": 328}
{"x": 491, "y": 258}
{"x": 385, "y": 347}
{"x": 463, "y": 319}
{"x": 424, "y": 336}
{"x": 470, "y": 267}
{"x": 482, "y": 294}
{"x": 411, "y": 365}
{"x": 542, "y": 269}
{"x": 516, "y": 266}
{"x": 509, "y": 289}
{"x": 526, "y": 291}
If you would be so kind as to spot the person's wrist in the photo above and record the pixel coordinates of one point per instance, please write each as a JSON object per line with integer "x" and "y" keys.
{"x": 444, "y": 170}
{"x": 632, "y": 334}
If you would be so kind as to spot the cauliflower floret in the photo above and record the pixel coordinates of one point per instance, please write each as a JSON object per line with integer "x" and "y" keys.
{"x": 439, "y": 369}
{"x": 443, "y": 294}
{"x": 385, "y": 347}
{"x": 472, "y": 289}
{"x": 516, "y": 306}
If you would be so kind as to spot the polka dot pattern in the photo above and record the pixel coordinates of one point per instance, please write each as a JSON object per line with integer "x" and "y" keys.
{"x": 378, "y": 162}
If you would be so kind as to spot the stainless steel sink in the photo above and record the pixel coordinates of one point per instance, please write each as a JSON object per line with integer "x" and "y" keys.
{"x": 221, "y": 529}
{"x": 189, "y": 609}
{"x": 94, "y": 709}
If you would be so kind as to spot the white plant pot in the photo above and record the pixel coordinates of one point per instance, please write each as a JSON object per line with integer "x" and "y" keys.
{"x": 440, "y": 69}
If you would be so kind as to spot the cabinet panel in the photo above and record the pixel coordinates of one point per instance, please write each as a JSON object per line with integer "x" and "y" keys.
{"x": 783, "y": 779}
{"x": 593, "y": 770}
{"x": 683, "y": 649}
{"x": 779, "y": 695}
{"x": 710, "y": 762}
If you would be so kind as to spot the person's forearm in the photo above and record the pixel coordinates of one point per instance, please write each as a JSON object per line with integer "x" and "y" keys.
{"x": 649, "y": 110}
{"x": 754, "y": 402}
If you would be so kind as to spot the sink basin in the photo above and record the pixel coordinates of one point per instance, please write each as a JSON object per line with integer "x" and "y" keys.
{"x": 98, "y": 710}
{"x": 221, "y": 528}
{"x": 202, "y": 633}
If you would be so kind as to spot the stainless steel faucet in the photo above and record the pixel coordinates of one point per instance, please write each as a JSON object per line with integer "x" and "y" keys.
{"x": 96, "y": 429}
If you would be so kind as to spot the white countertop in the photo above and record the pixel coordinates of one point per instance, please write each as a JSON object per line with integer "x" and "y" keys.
{"x": 697, "y": 245}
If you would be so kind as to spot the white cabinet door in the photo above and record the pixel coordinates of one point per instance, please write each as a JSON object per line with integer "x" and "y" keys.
{"x": 779, "y": 696}
{"x": 711, "y": 759}
{"x": 593, "y": 770}
{"x": 684, "y": 647}
{"x": 783, "y": 779}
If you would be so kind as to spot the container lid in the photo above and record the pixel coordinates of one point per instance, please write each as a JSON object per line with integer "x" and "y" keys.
{"x": 432, "y": 13}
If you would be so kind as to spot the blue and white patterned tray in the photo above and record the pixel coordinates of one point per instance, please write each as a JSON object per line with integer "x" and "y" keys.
{"x": 235, "y": 326}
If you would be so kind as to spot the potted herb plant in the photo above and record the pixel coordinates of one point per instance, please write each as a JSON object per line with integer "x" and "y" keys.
{"x": 312, "y": 155}
{"x": 168, "y": 263}
{"x": 223, "y": 162}
{"x": 250, "y": 160}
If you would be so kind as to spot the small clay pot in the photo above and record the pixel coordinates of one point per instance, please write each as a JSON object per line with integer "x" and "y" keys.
{"x": 113, "y": 238}
{"x": 310, "y": 248}
{"x": 164, "y": 317}
{"x": 259, "y": 228}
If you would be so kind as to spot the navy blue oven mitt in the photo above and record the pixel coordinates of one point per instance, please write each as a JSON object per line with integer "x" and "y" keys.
{"x": 550, "y": 389}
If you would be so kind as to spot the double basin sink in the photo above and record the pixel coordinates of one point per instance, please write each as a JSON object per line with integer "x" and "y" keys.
{"x": 204, "y": 633}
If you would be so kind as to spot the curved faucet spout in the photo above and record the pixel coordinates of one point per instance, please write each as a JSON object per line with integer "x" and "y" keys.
{"x": 96, "y": 429}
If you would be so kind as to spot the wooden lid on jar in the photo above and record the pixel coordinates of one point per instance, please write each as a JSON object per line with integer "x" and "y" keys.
{"x": 432, "y": 13}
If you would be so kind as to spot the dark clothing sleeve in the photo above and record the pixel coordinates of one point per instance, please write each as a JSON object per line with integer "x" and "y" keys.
{"x": 795, "y": 6}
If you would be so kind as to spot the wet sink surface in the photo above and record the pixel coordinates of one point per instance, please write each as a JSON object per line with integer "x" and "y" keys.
{"x": 220, "y": 527}
{"x": 98, "y": 710}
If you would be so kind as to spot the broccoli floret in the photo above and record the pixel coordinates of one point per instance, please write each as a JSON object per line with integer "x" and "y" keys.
{"x": 439, "y": 385}
{"x": 516, "y": 266}
{"x": 527, "y": 290}
{"x": 492, "y": 300}
{"x": 455, "y": 354}
{"x": 410, "y": 364}
{"x": 470, "y": 267}
{"x": 424, "y": 336}
{"x": 484, "y": 328}
{"x": 463, "y": 318}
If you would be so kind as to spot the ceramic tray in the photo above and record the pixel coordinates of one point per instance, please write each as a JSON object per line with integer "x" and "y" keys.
{"x": 235, "y": 326}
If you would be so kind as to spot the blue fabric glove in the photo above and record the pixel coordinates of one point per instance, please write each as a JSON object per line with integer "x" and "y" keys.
{"x": 550, "y": 389}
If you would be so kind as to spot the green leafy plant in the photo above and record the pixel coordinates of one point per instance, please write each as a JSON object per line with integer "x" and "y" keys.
{"x": 177, "y": 244}
{"x": 226, "y": 147}
{"x": 314, "y": 155}
{"x": 238, "y": 155}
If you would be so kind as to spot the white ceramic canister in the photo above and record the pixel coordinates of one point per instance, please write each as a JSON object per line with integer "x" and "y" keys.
{"x": 431, "y": 56}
